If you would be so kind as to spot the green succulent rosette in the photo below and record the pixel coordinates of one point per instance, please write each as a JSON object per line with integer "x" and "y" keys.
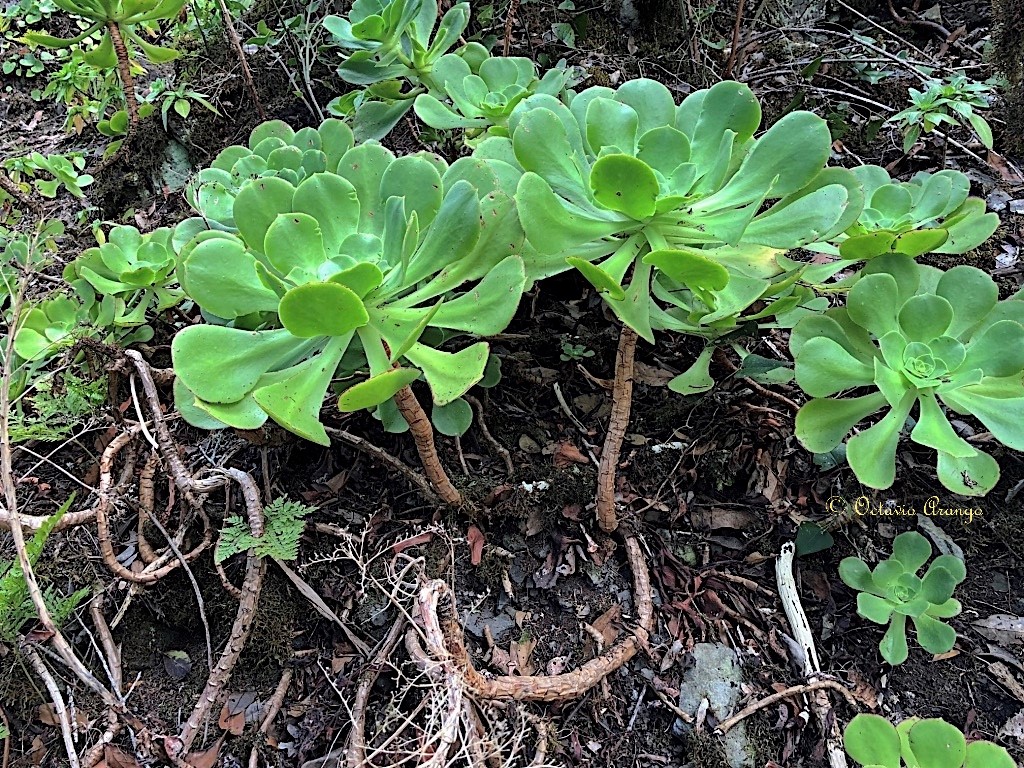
{"x": 356, "y": 267}
{"x": 893, "y": 592}
{"x": 919, "y": 336}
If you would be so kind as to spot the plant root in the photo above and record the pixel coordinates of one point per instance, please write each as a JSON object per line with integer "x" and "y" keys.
{"x": 622, "y": 403}
{"x": 445, "y": 644}
{"x": 423, "y": 435}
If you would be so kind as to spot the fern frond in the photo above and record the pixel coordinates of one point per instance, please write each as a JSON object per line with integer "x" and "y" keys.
{"x": 285, "y": 521}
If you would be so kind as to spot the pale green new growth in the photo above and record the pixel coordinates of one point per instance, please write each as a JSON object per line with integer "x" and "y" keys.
{"x": 915, "y": 335}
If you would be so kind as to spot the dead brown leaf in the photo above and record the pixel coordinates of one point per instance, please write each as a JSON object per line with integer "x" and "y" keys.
{"x": 521, "y": 653}
{"x": 565, "y": 454}
{"x": 114, "y": 757}
{"x": 412, "y": 541}
{"x": 37, "y": 753}
{"x": 1001, "y": 628}
{"x": 650, "y": 375}
{"x": 476, "y": 539}
{"x": 208, "y": 757}
{"x": 605, "y": 624}
{"x": 1003, "y": 675}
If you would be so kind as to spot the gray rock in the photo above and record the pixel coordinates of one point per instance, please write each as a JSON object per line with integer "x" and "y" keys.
{"x": 716, "y": 676}
{"x": 498, "y": 623}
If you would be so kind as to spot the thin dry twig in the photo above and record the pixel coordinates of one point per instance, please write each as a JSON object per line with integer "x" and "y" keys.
{"x": 236, "y": 44}
{"x": 274, "y": 705}
{"x": 794, "y": 690}
{"x": 622, "y": 403}
{"x": 385, "y": 458}
{"x": 60, "y": 709}
{"x": 367, "y": 679}
{"x": 498, "y": 447}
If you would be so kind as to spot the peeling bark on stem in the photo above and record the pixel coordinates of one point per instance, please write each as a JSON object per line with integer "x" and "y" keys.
{"x": 622, "y": 402}
{"x": 804, "y": 638}
{"x": 124, "y": 69}
{"x": 423, "y": 434}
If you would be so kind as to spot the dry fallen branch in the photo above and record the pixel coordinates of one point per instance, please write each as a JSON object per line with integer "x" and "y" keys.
{"x": 385, "y": 458}
{"x": 794, "y": 690}
{"x": 60, "y": 709}
{"x": 103, "y": 528}
{"x": 790, "y": 598}
{"x": 367, "y": 678}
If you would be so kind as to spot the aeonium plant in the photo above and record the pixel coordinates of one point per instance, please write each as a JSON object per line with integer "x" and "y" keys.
{"x": 342, "y": 272}
{"x": 893, "y": 591}
{"x": 915, "y": 336}
{"x": 136, "y": 269}
{"x": 874, "y": 742}
{"x": 931, "y": 213}
{"x": 480, "y": 101}
{"x": 392, "y": 48}
{"x": 274, "y": 149}
{"x": 117, "y": 23}
{"x": 654, "y": 201}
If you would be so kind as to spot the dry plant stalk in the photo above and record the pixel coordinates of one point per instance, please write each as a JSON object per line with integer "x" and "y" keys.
{"x": 622, "y": 402}
{"x": 794, "y": 610}
{"x": 423, "y": 435}
{"x": 236, "y": 43}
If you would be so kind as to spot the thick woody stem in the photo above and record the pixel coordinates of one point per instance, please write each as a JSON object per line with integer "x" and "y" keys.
{"x": 423, "y": 435}
{"x": 622, "y": 401}
{"x": 124, "y": 69}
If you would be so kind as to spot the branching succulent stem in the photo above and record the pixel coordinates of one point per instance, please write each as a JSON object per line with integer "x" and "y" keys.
{"x": 423, "y": 435}
{"x": 622, "y": 401}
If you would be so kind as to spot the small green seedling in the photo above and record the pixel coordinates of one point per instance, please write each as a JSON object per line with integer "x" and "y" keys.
{"x": 953, "y": 101}
{"x": 66, "y": 171}
{"x": 874, "y": 742}
{"x": 893, "y": 591}
{"x": 915, "y": 335}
